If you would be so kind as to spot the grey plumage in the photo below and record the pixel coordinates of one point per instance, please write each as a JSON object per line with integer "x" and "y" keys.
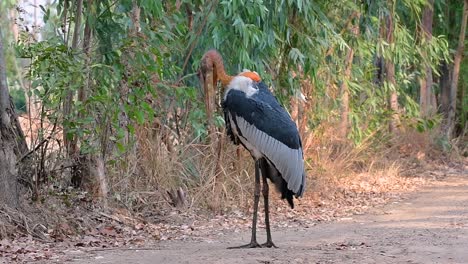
{"x": 289, "y": 162}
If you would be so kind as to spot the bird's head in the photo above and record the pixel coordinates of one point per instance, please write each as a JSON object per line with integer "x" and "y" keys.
{"x": 251, "y": 74}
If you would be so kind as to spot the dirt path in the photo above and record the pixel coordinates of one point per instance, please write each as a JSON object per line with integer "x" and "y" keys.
{"x": 429, "y": 227}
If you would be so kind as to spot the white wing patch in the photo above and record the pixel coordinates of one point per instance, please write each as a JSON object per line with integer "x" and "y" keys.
{"x": 243, "y": 84}
{"x": 289, "y": 162}
{"x": 254, "y": 151}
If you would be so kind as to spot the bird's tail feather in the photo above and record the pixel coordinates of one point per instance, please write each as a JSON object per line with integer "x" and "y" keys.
{"x": 280, "y": 184}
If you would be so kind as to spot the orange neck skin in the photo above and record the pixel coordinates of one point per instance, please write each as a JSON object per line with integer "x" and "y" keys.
{"x": 252, "y": 75}
{"x": 212, "y": 59}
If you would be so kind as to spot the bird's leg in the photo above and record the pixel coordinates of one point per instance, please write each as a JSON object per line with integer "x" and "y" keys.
{"x": 253, "y": 241}
{"x": 269, "y": 242}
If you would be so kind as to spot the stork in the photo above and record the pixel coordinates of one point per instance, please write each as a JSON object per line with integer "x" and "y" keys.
{"x": 255, "y": 119}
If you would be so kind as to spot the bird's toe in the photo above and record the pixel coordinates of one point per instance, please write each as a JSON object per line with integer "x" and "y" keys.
{"x": 252, "y": 244}
{"x": 269, "y": 244}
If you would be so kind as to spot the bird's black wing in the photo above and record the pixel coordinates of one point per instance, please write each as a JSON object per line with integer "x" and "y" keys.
{"x": 229, "y": 131}
{"x": 266, "y": 125}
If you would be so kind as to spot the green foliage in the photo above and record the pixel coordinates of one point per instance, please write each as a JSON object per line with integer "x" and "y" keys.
{"x": 19, "y": 100}
{"x": 132, "y": 78}
{"x": 54, "y": 70}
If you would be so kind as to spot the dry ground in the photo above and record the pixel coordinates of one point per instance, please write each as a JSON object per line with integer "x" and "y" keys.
{"x": 430, "y": 226}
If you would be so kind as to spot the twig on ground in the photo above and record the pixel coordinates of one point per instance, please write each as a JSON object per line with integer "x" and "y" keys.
{"x": 111, "y": 217}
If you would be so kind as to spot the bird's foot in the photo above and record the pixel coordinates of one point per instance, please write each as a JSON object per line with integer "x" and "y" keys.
{"x": 269, "y": 244}
{"x": 252, "y": 244}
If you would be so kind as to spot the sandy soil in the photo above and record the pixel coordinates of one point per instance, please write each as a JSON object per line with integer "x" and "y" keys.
{"x": 431, "y": 226}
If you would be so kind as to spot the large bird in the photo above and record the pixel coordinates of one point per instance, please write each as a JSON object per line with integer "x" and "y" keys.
{"x": 255, "y": 119}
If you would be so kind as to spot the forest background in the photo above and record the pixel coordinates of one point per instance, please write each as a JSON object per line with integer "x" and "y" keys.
{"x": 112, "y": 112}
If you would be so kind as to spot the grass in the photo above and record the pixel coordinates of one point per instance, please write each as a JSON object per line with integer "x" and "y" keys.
{"x": 162, "y": 173}
{"x": 150, "y": 177}
{"x": 146, "y": 176}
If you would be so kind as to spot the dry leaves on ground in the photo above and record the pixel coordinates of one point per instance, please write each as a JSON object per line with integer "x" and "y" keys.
{"x": 119, "y": 228}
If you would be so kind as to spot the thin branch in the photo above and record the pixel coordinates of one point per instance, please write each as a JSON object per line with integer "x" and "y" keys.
{"x": 38, "y": 145}
{"x": 192, "y": 46}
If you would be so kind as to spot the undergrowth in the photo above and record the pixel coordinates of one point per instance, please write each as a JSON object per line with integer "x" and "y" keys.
{"x": 162, "y": 174}
{"x": 146, "y": 179}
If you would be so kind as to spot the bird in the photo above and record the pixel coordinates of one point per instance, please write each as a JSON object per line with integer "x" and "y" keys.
{"x": 255, "y": 119}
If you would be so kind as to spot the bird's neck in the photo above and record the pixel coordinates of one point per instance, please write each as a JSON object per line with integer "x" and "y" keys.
{"x": 213, "y": 60}
{"x": 224, "y": 78}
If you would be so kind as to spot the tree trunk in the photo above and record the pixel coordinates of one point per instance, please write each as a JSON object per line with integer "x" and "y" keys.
{"x": 97, "y": 161}
{"x": 14, "y": 25}
{"x": 445, "y": 67}
{"x": 12, "y": 142}
{"x": 390, "y": 76}
{"x": 135, "y": 16}
{"x": 444, "y": 84}
{"x": 463, "y": 115}
{"x": 35, "y": 26}
{"x": 344, "y": 124}
{"x": 427, "y": 96}
{"x": 70, "y": 143}
{"x": 450, "y": 123}
{"x": 100, "y": 174}
{"x": 92, "y": 174}
{"x": 86, "y": 49}
{"x": 63, "y": 19}
{"x": 344, "y": 89}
